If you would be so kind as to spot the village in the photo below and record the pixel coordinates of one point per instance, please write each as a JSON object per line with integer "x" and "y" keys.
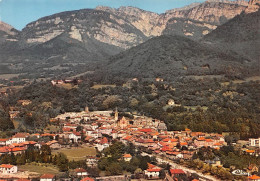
{"x": 98, "y": 129}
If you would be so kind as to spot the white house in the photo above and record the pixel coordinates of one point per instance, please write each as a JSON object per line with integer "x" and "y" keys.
{"x": 114, "y": 134}
{"x": 75, "y": 136}
{"x": 47, "y": 177}
{"x": 81, "y": 172}
{"x": 3, "y": 142}
{"x": 104, "y": 130}
{"x": 153, "y": 171}
{"x": 179, "y": 155}
{"x": 255, "y": 142}
{"x": 91, "y": 161}
{"x": 17, "y": 138}
{"x": 102, "y": 144}
{"x": 127, "y": 157}
{"x": 94, "y": 134}
{"x": 8, "y": 169}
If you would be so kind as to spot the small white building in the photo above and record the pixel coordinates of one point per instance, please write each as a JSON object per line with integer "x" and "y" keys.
{"x": 114, "y": 134}
{"x": 255, "y": 142}
{"x": 17, "y": 138}
{"x": 152, "y": 173}
{"x": 8, "y": 169}
{"x": 75, "y": 137}
{"x": 127, "y": 157}
{"x": 94, "y": 134}
{"x": 171, "y": 102}
{"x": 91, "y": 161}
{"x": 102, "y": 144}
{"x": 3, "y": 142}
{"x": 81, "y": 172}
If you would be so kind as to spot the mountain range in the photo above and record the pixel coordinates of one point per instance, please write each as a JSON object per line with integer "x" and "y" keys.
{"x": 186, "y": 40}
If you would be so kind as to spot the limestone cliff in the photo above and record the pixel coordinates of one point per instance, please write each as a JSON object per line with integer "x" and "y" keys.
{"x": 82, "y": 25}
{"x": 204, "y": 17}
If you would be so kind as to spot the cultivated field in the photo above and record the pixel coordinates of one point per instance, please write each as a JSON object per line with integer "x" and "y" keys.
{"x": 8, "y": 76}
{"x": 99, "y": 86}
{"x": 77, "y": 154}
{"x": 40, "y": 168}
{"x": 67, "y": 86}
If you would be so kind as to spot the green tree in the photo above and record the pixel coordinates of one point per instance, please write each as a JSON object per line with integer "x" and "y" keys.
{"x": 114, "y": 169}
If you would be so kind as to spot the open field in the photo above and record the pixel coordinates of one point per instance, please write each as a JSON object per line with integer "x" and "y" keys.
{"x": 99, "y": 86}
{"x": 11, "y": 87}
{"x": 254, "y": 78}
{"x": 51, "y": 128}
{"x": 8, "y": 76}
{"x": 195, "y": 107}
{"x": 16, "y": 124}
{"x": 67, "y": 86}
{"x": 199, "y": 77}
{"x": 77, "y": 153}
{"x": 40, "y": 168}
{"x": 81, "y": 74}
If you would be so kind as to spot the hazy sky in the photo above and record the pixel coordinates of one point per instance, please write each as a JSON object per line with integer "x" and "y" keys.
{"x": 18, "y": 13}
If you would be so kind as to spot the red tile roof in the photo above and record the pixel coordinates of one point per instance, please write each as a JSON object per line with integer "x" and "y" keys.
{"x": 177, "y": 171}
{"x": 150, "y": 166}
{"x": 104, "y": 141}
{"x": 49, "y": 176}
{"x": 6, "y": 166}
{"x": 80, "y": 170}
{"x": 87, "y": 179}
{"x": 254, "y": 177}
{"x": 250, "y": 151}
{"x": 217, "y": 144}
{"x": 127, "y": 156}
{"x": 20, "y": 135}
{"x": 154, "y": 170}
{"x": 208, "y": 140}
{"x": 183, "y": 143}
{"x": 127, "y": 137}
{"x": 146, "y": 130}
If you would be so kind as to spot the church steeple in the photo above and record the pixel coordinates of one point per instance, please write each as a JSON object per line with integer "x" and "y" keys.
{"x": 116, "y": 115}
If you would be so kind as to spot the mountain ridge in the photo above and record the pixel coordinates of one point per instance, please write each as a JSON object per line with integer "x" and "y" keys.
{"x": 91, "y": 36}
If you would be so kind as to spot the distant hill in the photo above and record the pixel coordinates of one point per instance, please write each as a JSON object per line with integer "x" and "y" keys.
{"x": 169, "y": 56}
{"x": 241, "y": 34}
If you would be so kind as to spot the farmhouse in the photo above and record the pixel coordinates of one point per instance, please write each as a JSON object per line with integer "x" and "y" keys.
{"x": 8, "y": 169}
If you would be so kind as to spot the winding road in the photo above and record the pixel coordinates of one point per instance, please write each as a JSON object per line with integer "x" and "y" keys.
{"x": 177, "y": 166}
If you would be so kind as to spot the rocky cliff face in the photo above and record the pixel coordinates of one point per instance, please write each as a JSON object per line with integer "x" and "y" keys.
{"x": 203, "y": 17}
{"x": 148, "y": 22}
{"x": 83, "y": 25}
{"x": 209, "y": 12}
{"x": 126, "y": 27}
{"x": 7, "y": 32}
{"x": 8, "y": 29}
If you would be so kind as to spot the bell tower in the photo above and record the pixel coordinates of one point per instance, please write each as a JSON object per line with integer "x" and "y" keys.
{"x": 116, "y": 115}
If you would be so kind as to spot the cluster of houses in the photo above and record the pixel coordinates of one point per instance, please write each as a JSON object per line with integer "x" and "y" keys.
{"x": 99, "y": 128}
{"x": 66, "y": 81}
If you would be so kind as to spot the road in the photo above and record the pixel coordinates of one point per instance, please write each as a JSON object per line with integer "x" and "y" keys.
{"x": 177, "y": 166}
